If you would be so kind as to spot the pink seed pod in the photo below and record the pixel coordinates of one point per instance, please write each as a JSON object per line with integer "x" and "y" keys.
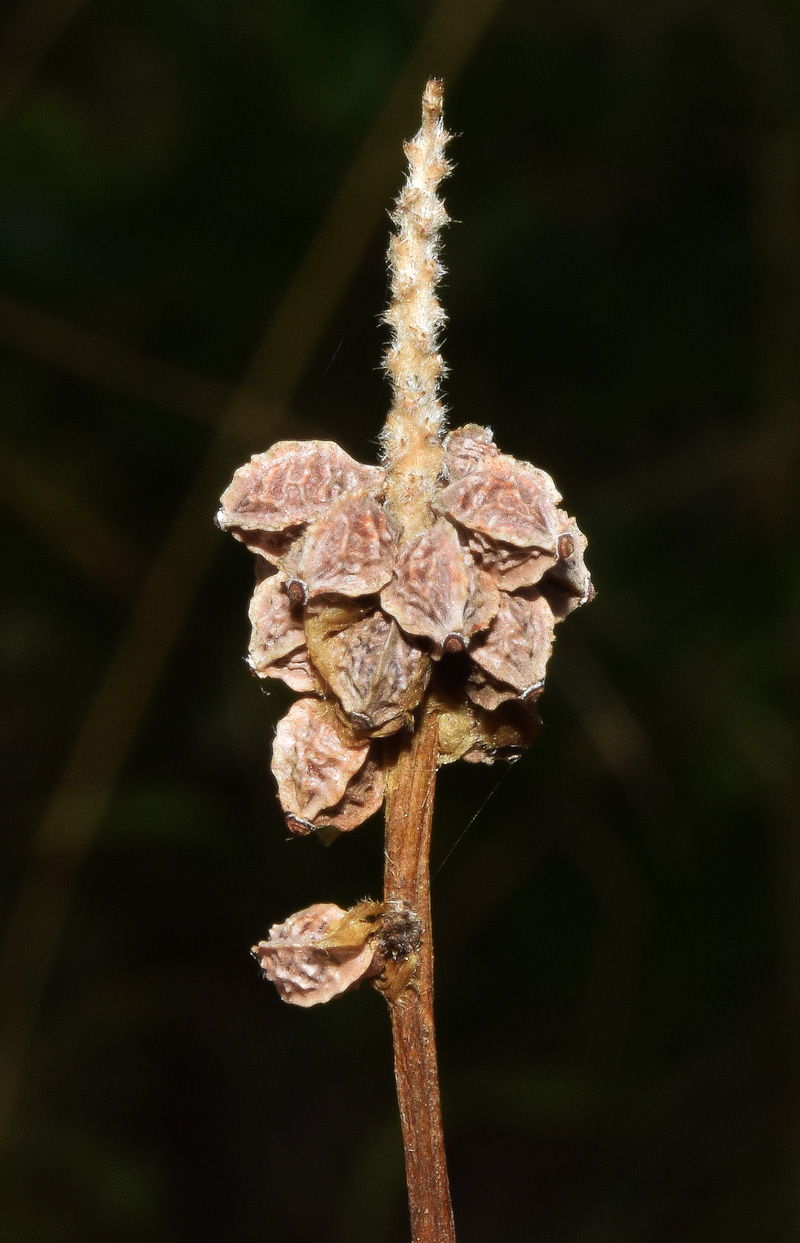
{"x": 277, "y": 638}
{"x": 292, "y": 484}
{"x": 315, "y": 758}
{"x": 377, "y": 676}
{"x": 517, "y": 647}
{"x": 568, "y": 585}
{"x": 304, "y": 972}
{"x": 437, "y": 591}
{"x": 349, "y": 549}
{"x": 510, "y": 568}
{"x": 277, "y": 548}
{"x": 362, "y": 798}
{"x": 485, "y": 692}
{"x": 506, "y": 500}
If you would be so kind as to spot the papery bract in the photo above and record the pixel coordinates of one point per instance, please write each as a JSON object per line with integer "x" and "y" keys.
{"x": 277, "y": 633}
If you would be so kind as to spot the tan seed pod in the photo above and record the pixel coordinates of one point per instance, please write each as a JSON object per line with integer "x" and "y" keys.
{"x": 456, "y": 726}
{"x": 466, "y": 448}
{"x": 377, "y": 676}
{"x": 314, "y": 758}
{"x": 509, "y": 567}
{"x": 273, "y": 547}
{"x": 504, "y": 734}
{"x": 518, "y": 646}
{"x": 292, "y": 484}
{"x": 470, "y": 733}
{"x": 349, "y": 550}
{"x": 297, "y": 672}
{"x": 568, "y": 584}
{"x": 485, "y": 692}
{"x": 323, "y": 620}
{"x": 437, "y": 593}
{"x": 276, "y": 628}
{"x": 362, "y": 798}
{"x": 506, "y": 500}
{"x": 305, "y": 972}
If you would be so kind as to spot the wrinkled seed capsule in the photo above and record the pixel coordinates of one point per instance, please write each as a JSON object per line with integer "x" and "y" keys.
{"x": 350, "y": 548}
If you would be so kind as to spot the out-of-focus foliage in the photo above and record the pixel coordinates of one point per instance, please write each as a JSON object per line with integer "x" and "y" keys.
{"x": 618, "y": 970}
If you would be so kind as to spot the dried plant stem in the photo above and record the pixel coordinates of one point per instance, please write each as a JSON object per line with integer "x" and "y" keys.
{"x": 409, "y": 815}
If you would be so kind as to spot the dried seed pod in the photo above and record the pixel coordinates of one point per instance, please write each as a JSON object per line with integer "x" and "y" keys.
{"x": 506, "y": 500}
{"x": 377, "y": 676}
{"x": 487, "y": 693}
{"x": 470, "y": 733}
{"x": 305, "y": 972}
{"x": 504, "y": 734}
{"x": 292, "y": 484}
{"x": 482, "y": 603}
{"x": 438, "y": 593}
{"x": 273, "y": 547}
{"x": 568, "y": 585}
{"x": 349, "y": 550}
{"x": 467, "y": 447}
{"x": 297, "y": 672}
{"x": 314, "y": 759}
{"x": 518, "y": 646}
{"x": 362, "y": 798}
{"x": 509, "y": 567}
{"x": 276, "y": 629}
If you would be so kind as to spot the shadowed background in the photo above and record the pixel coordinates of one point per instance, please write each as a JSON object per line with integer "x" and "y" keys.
{"x": 192, "y": 237}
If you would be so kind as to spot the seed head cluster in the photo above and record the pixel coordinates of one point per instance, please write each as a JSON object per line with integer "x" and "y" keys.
{"x": 430, "y": 584}
{"x": 364, "y": 626}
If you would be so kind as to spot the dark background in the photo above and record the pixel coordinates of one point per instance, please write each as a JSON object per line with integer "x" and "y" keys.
{"x": 192, "y": 236}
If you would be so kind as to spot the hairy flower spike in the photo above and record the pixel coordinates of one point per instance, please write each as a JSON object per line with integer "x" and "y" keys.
{"x": 412, "y": 435}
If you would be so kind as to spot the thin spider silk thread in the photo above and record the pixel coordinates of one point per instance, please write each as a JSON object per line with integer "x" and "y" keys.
{"x": 472, "y": 820}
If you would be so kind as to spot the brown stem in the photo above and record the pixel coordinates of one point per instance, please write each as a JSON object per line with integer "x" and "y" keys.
{"x": 409, "y": 815}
